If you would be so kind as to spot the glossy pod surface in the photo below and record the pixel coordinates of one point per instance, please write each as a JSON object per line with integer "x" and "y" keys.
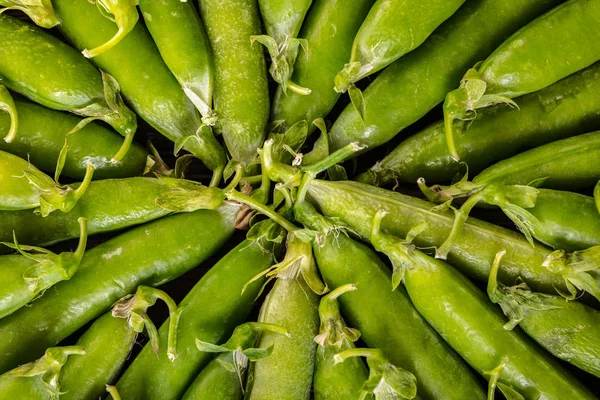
{"x": 338, "y": 381}
{"x": 42, "y": 134}
{"x": 16, "y": 192}
{"x": 211, "y": 310}
{"x": 145, "y": 255}
{"x": 215, "y": 382}
{"x": 413, "y": 85}
{"x": 13, "y": 287}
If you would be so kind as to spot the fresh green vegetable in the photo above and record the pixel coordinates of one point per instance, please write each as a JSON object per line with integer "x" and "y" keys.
{"x": 552, "y": 47}
{"x": 457, "y": 309}
{"x": 392, "y": 29}
{"x": 337, "y": 380}
{"x": 566, "y": 108}
{"x": 39, "y": 379}
{"x": 329, "y": 28}
{"x": 149, "y": 255}
{"x": 413, "y": 85}
{"x": 7, "y": 104}
{"x": 40, "y": 11}
{"x": 597, "y": 195}
{"x": 241, "y": 88}
{"x": 26, "y": 276}
{"x": 567, "y": 329}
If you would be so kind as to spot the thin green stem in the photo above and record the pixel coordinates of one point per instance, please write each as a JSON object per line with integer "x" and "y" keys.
{"x": 113, "y": 392}
{"x": 334, "y": 294}
{"x": 492, "y": 285}
{"x": 356, "y": 352}
{"x": 266, "y": 327}
{"x": 234, "y": 195}
{"x": 87, "y": 179}
{"x": 333, "y": 159}
{"x": 216, "y": 177}
{"x": 253, "y": 180}
{"x": 298, "y": 89}
{"x": 239, "y": 172}
{"x": 449, "y": 129}
{"x": 7, "y": 104}
{"x": 83, "y": 235}
{"x": 124, "y": 149}
{"x": 460, "y": 218}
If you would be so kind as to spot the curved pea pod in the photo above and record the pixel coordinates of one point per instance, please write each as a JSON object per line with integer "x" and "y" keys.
{"x": 149, "y": 255}
{"x": 336, "y": 380}
{"x": 24, "y": 187}
{"x": 42, "y": 135}
{"x": 386, "y": 319}
{"x": 26, "y": 276}
{"x": 108, "y": 343}
{"x": 211, "y": 311}
{"x": 144, "y": 78}
{"x": 392, "y": 29}
{"x": 241, "y": 95}
{"x": 7, "y": 104}
{"x": 175, "y": 25}
{"x": 501, "y": 78}
{"x": 456, "y": 309}
{"x": 476, "y": 246}
{"x": 39, "y": 379}
{"x": 224, "y": 377}
{"x": 413, "y": 85}
{"x": 569, "y": 330}
{"x": 329, "y": 28}
{"x": 69, "y": 83}
{"x": 40, "y": 11}
{"x": 283, "y": 20}
{"x": 564, "y": 109}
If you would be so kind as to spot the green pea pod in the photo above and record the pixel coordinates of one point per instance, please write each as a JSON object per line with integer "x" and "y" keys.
{"x": 564, "y": 109}
{"x": 386, "y": 319}
{"x": 337, "y": 381}
{"x": 413, "y": 85}
{"x": 329, "y": 28}
{"x": 23, "y": 187}
{"x": 597, "y": 195}
{"x": 145, "y": 80}
{"x": 500, "y": 78}
{"x": 283, "y": 20}
{"x": 149, "y": 255}
{"x": 392, "y": 29}
{"x": 457, "y": 309}
{"x": 567, "y": 329}
{"x": 39, "y": 379}
{"x": 40, "y": 11}
{"x": 28, "y": 275}
{"x": 211, "y": 311}
{"x": 175, "y": 25}
{"x": 42, "y": 135}
{"x": 241, "y": 89}
{"x": 224, "y": 376}
{"x": 474, "y": 249}
{"x": 109, "y": 341}
{"x": 7, "y": 104}
{"x": 69, "y": 82}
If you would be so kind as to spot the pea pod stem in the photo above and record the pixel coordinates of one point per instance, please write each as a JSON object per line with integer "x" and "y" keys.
{"x": 123, "y": 13}
{"x": 113, "y": 392}
{"x": 234, "y": 195}
{"x": 8, "y": 105}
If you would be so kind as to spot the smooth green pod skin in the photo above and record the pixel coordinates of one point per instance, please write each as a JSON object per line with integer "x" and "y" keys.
{"x": 211, "y": 311}
{"x": 392, "y": 29}
{"x": 107, "y": 344}
{"x": 459, "y": 310}
{"x": 69, "y": 82}
{"x": 411, "y": 86}
{"x": 357, "y": 203}
{"x": 241, "y": 97}
{"x": 283, "y": 18}
{"x": 567, "y": 108}
{"x": 387, "y": 320}
{"x": 149, "y": 255}
{"x": 145, "y": 80}
{"x": 16, "y": 192}
{"x": 287, "y": 373}
{"x": 108, "y": 205}
{"x": 215, "y": 382}
{"x": 42, "y": 134}
{"x": 567, "y": 164}
{"x": 329, "y": 28}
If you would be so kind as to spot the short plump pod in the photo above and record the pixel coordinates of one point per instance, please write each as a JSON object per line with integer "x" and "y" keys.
{"x": 108, "y": 343}
{"x": 42, "y": 135}
{"x": 40, "y": 11}
{"x": 241, "y": 97}
{"x": 69, "y": 83}
{"x": 145, "y": 80}
{"x": 211, "y": 311}
{"x": 329, "y": 28}
{"x": 108, "y": 205}
{"x": 149, "y": 255}
{"x": 39, "y": 379}
{"x": 411, "y": 86}
{"x": 337, "y": 381}
{"x": 553, "y": 46}
{"x": 457, "y": 310}
{"x": 569, "y": 330}
{"x": 567, "y": 108}
{"x": 386, "y": 319}
{"x": 26, "y": 276}
{"x": 392, "y": 29}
